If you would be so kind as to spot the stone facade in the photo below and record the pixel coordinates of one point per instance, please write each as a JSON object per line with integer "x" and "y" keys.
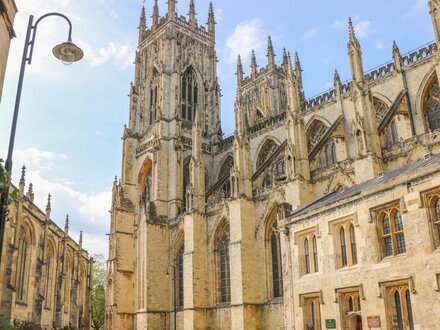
{"x": 8, "y": 10}
{"x": 316, "y": 212}
{"x": 46, "y": 276}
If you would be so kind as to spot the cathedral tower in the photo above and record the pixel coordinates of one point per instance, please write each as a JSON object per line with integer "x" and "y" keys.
{"x": 175, "y": 82}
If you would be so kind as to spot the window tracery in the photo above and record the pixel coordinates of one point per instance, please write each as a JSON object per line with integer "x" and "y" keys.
{"x": 266, "y": 152}
{"x": 189, "y": 95}
{"x": 316, "y": 133}
{"x": 380, "y": 109}
{"x": 432, "y": 106}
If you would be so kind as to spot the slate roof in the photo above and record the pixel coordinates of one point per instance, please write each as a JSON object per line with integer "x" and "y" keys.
{"x": 357, "y": 189}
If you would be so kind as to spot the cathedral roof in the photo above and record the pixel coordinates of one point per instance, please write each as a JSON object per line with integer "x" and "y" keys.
{"x": 362, "y": 189}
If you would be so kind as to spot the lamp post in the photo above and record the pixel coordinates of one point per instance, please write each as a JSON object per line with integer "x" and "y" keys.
{"x": 68, "y": 53}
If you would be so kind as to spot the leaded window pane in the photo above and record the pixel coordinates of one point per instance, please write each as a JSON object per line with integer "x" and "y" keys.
{"x": 315, "y": 254}
{"x": 307, "y": 255}
{"x": 189, "y": 95}
{"x": 179, "y": 283}
{"x": 432, "y": 107}
{"x": 398, "y": 221}
{"x": 409, "y": 310}
{"x": 353, "y": 245}
{"x": 276, "y": 279}
{"x": 401, "y": 248}
{"x": 437, "y": 209}
{"x": 388, "y": 246}
{"x": 225, "y": 282}
{"x": 399, "y": 313}
{"x": 386, "y": 225}
{"x": 343, "y": 247}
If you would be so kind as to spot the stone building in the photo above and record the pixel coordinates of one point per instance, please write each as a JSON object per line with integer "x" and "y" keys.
{"x": 8, "y": 9}
{"x": 45, "y": 276}
{"x": 318, "y": 213}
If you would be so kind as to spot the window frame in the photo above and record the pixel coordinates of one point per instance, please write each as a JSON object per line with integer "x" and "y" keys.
{"x": 223, "y": 293}
{"x": 392, "y": 238}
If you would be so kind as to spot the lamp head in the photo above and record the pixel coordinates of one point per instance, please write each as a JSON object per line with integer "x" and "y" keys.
{"x": 68, "y": 52}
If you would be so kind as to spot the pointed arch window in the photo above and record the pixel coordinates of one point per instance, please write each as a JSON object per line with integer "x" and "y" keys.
{"x": 274, "y": 254}
{"x": 307, "y": 255}
{"x": 432, "y": 105}
{"x": 179, "y": 276}
{"x": 380, "y": 109}
{"x": 311, "y": 311}
{"x": 189, "y": 95}
{"x": 353, "y": 245}
{"x": 315, "y": 134}
{"x": 310, "y": 254}
{"x": 22, "y": 264}
{"x": 48, "y": 286}
{"x": 266, "y": 152}
{"x": 224, "y": 276}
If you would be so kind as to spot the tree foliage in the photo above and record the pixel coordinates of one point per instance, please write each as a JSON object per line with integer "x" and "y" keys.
{"x": 98, "y": 292}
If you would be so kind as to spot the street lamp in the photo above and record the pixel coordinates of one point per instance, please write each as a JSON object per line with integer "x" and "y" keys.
{"x": 68, "y": 53}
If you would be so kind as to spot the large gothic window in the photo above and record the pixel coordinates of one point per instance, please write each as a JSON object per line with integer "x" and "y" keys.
{"x": 266, "y": 151}
{"x": 315, "y": 133}
{"x": 154, "y": 96}
{"x": 48, "y": 289}
{"x": 224, "y": 277}
{"x": 189, "y": 95}
{"x": 179, "y": 276}
{"x": 432, "y": 106}
{"x": 24, "y": 243}
{"x": 274, "y": 254}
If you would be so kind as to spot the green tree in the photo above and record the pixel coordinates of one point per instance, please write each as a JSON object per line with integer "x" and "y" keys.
{"x": 98, "y": 292}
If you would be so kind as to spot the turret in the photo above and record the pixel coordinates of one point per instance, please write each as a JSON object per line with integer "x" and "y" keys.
{"x": 397, "y": 57}
{"x": 239, "y": 72}
{"x": 355, "y": 55}
{"x": 80, "y": 242}
{"x": 171, "y": 8}
{"x": 142, "y": 26}
{"x": 289, "y": 66}
{"x": 22, "y": 182}
{"x": 270, "y": 53}
{"x": 155, "y": 16}
{"x": 253, "y": 64}
{"x": 434, "y": 10}
{"x": 192, "y": 14}
{"x": 211, "y": 20}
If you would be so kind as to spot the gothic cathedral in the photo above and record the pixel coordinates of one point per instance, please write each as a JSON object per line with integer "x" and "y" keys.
{"x": 317, "y": 213}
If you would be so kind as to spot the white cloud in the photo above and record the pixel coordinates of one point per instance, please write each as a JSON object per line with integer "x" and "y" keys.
{"x": 311, "y": 33}
{"x": 120, "y": 55}
{"x": 362, "y": 28}
{"x": 218, "y": 12}
{"x": 87, "y": 211}
{"x": 246, "y": 36}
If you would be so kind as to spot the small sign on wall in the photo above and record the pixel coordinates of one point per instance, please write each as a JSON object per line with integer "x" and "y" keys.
{"x": 373, "y": 321}
{"x": 330, "y": 324}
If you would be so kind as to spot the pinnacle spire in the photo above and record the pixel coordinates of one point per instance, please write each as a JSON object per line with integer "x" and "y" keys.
{"x": 270, "y": 51}
{"x": 289, "y": 64}
{"x": 155, "y": 15}
{"x": 80, "y": 241}
{"x": 49, "y": 205}
{"x": 298, "y": 70}
{"x": 171, "y": 8}
{"x": 253, "y": 64}
{"x": 351, "y": 31}
{"x": 211, "y": 20}
{"x": 396, "y": 56}
{"x": 284, "y": 57}
{"x": 30, "y": 193}
{"x": 192, "y": 14}
{"x": 336, "y": 77}
{"x": 239, "y": 72}
{"x": 22, "y": 182}
{"x": 66, "y": 226}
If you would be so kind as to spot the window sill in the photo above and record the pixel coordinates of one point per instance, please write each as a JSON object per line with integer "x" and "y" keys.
{"x": 310, "y": 275}
{"x": 348, "y": 268}
{"x": 223, "y": 305}
{"x": 276, "y": 300}
{"x": 397, "y": 256}
{"x": 21, "y": 303}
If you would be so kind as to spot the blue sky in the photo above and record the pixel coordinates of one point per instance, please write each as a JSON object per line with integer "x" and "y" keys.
{"x": 71, "y": 119}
